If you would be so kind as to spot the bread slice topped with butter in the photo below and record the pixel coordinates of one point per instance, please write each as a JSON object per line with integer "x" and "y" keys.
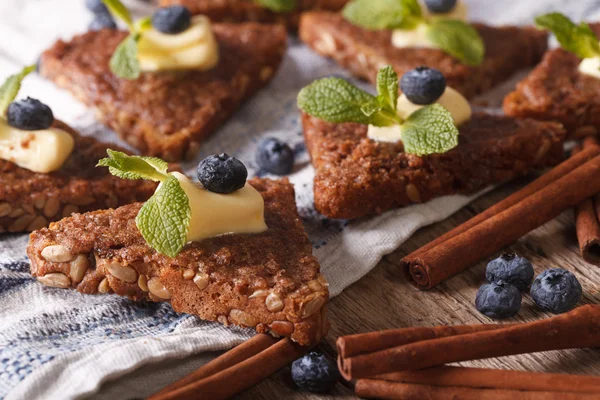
{"x": 375, "y": 153}
{"x": 48, "y": 170}
{"x": 224, "y": 249}
{"x": 170, "y": 81}
{"x": 564, "y": 86}
{"x": 473, "y": 57}
{"x": 286, "y": 12}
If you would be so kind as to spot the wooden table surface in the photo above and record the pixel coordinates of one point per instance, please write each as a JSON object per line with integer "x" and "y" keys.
{"x": 384, "y": 299}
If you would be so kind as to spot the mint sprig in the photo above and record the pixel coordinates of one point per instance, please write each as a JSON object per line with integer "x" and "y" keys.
{"x": 429, "y": 130}
{"x": 384, "y": 14}
{"x": 11, "y": 86}
{"x": 456, "y": 38}
{"x": 426, "y": 131}
{"x": 578, "y": 39}
{"x": 164, "y": 219}
{"x": 278, "y": 5}
{"x": 124, "y": 62}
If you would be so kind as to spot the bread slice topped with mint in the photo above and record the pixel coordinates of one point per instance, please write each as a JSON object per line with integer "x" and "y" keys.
{"x": 286, "y": 12}
{"x": 473, "y": 57}
{"x": 47, "y": 169}
{"x": 170, "y": 79}
{"x": 564, "y": 86}
{"x": 224, "y": 249}
{"x": 376, "y": 152}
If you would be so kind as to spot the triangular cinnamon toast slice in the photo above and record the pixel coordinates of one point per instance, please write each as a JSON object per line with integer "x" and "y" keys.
{"x": 270, "y": 281}
{"x": 167, "y": 114}
{"x": 31, "y": 200}
{"x": 250, "y": 10}
{"x": 356, "y": 176}
{"x": 556, "y": 91}
{"x": 363, "y": 52}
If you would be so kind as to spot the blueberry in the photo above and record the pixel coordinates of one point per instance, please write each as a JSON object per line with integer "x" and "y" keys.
{"x": 423, "y": 85}
{"x": 510, "y": 268}
{"x": 315, "y": 372}
{"x": 174, "y": 19}
{"x": 275, "y": 157}
{"x": 29, "y": 114}
{"x": 440, "y": 6}
{"x": 96, "y": 6}
{"x": 102, "y": 21}
{"x": 498, "y": 300}
{"x": 222, "y": 174}
{"x": 556, "y": 290}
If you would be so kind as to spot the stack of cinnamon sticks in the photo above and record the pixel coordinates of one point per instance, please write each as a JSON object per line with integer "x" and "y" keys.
{"x": 587, "y": 219}
{"x": 236, "y": 370}
{"x": 386, "y": 363}
{"x": 563, "y": 187}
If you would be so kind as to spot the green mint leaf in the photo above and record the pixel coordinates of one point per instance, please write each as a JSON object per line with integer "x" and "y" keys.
{"x": 384, "y": 14}
{"x": 124, "y": 62}
{"x": 118, "y": 10}
{"x": 387, "y": 88}
{"x": 429, "y": 130}
{"x": 278, "y": 5}
{"x": 335, "y": 100}
{"x": 164, "y": 219}
{"x": 10, "y": 88}
{"x": 458, "y": 39}
{"x": 578, "y": 39}
{"x": 134, "y": 167}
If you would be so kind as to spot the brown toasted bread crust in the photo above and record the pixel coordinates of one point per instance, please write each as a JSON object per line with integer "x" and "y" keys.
{"x": 556, "y": 91}
{"x": 363, "y": 52}
{"x": 225, "y": 279}
{"x": 31, "y": 200}
{"x": 167, "y": 114}
{"x": 356, "y": 176}
{"x": 250, "y": 10}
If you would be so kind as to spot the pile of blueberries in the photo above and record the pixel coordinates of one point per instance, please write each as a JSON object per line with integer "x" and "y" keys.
{"x": 102, "y": 18}
{"x": 555, "y": 290}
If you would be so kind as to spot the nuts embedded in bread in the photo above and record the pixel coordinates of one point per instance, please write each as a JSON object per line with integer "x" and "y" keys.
{"x": 274, "y": 302}
{"x": 103, "y": 286}
{"x": 5, "y": 209}
{"x": 143, "y": 283}
{"x": 242, "y": 318}
{"x": 312, "y": 306}
{"x": 55, "y": 279}
{"x": 78, "y": 267}
{"x": 259, "y": 293}
{"x": 201, "y": 280}
{"x": 57, "y": 253}
{"x": 188, "y": 273}
{"x": 122, "y": 272}
{"x": 159, "y": 290}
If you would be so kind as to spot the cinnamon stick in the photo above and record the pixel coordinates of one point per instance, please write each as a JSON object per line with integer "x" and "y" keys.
{"x": 497, "y": 379}
{"x": 373, "y": 388}
{"x": 577, "y": 329}
{"x": 360, "y": 343}
{"x": 241, "y": 376}
{"x": 587, "y": 222}
{"x": 443, "y": 259}
{"x": 228, "y": 359}
{"x": 587, "y": 216}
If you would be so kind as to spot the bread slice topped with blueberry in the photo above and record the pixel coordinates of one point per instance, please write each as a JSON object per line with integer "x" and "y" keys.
{"x": 48, "y": 170}
{"x": 171, "y": 80}
{"x": 369, "y": 34}
{"x": 286, "y": 12}
{"x": 375, "y": 153}
{"x": 224, "y": 249}
{"x": 564, "y": 86}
